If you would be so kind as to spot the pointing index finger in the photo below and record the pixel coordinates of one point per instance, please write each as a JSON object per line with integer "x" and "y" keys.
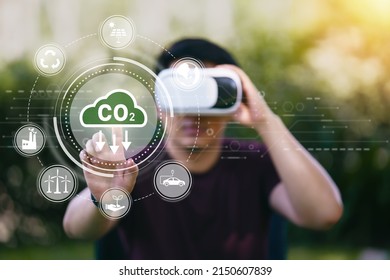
{"x": 117, "y": 131}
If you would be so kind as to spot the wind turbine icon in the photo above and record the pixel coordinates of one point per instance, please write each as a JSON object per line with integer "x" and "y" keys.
{"x": 48, "y": 181}
{"x": 57, "y": 182}
{"x": 65, "y": 181}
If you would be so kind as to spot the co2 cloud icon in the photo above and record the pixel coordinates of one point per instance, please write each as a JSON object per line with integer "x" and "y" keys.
{"x": 118, "y": 108}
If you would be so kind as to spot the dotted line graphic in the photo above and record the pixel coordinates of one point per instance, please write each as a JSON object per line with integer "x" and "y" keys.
{"x": 40, "y": 161}
{"x": 330, "y": 149}
{"x": 162, "y": 47}
{"x": 93, "y": 160}
{"x": 196, "y": 136}
{"x": 79, "y": 39}
{"x": 29, "y": 98}
{"x": 143, "y": 197}
{"x": 313, "y": 98}
{"x": 338, "y": 149}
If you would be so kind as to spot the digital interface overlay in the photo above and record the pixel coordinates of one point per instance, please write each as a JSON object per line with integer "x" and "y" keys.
{"x": 113, "y": 99}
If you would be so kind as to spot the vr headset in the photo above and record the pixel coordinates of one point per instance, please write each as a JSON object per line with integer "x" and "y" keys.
{"x": 215, "y": 91}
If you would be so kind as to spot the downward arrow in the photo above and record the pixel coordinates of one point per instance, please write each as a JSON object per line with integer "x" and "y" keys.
{"x": 101, "y": 143}
{"x": 114, "y": 147}
{"x": 126, "y": 144}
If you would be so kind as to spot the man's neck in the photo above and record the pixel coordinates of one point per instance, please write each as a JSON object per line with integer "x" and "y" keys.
{"x": 197, "y": 160}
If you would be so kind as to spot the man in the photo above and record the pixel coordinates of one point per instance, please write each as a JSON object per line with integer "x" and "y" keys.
{"x": 227, "y": 213}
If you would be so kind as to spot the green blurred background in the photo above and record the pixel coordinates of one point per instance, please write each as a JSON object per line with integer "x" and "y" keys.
{"x": 323, "y": 68}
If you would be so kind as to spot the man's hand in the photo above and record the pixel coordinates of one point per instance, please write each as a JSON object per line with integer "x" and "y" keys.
{"x": 254, "y": 112}
{"x": 106, "y": 161}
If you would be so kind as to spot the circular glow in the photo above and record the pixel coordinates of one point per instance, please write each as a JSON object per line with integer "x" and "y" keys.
{"x": 57, "y": 183}
{"x": 172, "y": 181}
{"x": 117, "y": 32}
{"x": 49, "y": 60}
{"x": 29, "y": 140}
{"x": 188, "y": 73}
{"x": 115, "y": 203}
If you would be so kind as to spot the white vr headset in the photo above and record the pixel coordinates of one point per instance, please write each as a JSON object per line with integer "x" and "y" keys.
{"x": 215, "y": 91}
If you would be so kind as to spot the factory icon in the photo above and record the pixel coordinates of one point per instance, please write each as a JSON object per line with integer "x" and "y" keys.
{"x": 29, "y": 140}
{"x": 31, "y": 143}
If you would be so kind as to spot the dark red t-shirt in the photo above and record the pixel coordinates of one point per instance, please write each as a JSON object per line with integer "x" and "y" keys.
{"x": 225, "y": 216}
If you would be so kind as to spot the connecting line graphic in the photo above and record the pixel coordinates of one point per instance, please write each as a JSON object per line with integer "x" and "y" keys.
{"x": 313, "y": 132}
{"x": 325, "y": 120}
{"x": 269, "y": 148}
{"x": 134, "y": 200}
{"x": 143, "y": 197}
{"x": 347, "y": 141}
{"x": 335, "y": 126}
{"x": 299, "y": 115}
{"x": 199, "y": 153}
{"x": 29, "y": 99}
{"x": 197, "y": 132}
{"x": 79, "y": 39}
{"x": 157, "y": 44}
{"x": 231, "y": 157}
{"x": 326, "y": 107}
{"x": 40, "y": 161}
{"x": 316, "y": 141}
{"x": 313, "y": 98}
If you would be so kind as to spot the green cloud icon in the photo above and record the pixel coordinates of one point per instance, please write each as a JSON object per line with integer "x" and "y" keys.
{"x": 117, "y": 108}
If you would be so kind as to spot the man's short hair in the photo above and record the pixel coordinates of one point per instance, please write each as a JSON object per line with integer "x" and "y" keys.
{"x": 200, "y": 49}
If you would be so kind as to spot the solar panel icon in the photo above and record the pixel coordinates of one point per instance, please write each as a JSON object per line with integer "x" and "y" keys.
{"x": 118, "y": 33}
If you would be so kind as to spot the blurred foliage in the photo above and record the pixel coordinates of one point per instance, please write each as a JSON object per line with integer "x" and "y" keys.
{"x": 25, "y": 217}
{"x": 334, "y": 67}
{"x": 65, "y": 250}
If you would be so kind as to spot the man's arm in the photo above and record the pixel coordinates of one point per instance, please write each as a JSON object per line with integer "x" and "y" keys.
{"x": 307, "y": 196}
{"x": 82, "y": 218}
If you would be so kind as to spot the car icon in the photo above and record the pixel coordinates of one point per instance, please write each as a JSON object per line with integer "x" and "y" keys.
{"x": 173, "y": 181}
